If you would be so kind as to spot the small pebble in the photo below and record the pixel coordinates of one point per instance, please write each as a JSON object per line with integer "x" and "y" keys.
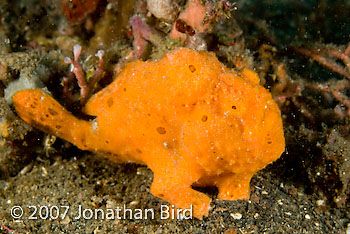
{"x": 110, "y": 204}
{"x": 134, "y": 203}
{"x": 320, "y": 202}
{"x": 44, "y": 171}
{"x": 26, "y": 169}
{"x": 66, "y": 220}
{"x": 236, "y": 215}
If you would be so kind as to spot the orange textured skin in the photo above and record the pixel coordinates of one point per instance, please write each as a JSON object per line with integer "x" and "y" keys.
{"x": 191, "y": 120}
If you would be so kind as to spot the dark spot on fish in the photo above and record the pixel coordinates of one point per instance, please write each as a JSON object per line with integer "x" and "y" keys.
{"x": 192, "y": 68}
{"x": 161, "y": 130}
{"x": 52, "y": 111}
{"x": 110, "y": 102}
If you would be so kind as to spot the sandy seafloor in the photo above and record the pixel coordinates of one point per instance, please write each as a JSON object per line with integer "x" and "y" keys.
{"x": 275, "y": 206}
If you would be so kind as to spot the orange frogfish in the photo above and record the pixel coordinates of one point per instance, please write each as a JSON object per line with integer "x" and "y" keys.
{"x": 190, "y": 119}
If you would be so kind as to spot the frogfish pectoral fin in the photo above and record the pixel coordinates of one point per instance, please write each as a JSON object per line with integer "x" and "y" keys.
{"x": 42, "y": 111}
